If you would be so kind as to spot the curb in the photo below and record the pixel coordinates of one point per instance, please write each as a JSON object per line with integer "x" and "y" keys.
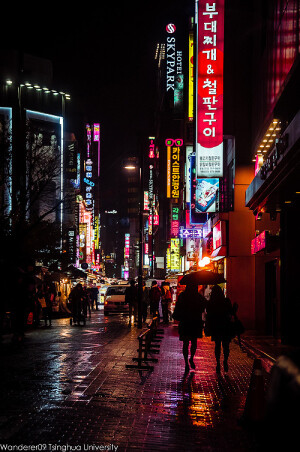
{"x": 256, "y": 353}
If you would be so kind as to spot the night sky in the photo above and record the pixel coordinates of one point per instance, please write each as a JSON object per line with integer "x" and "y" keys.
{"x": 103, "y": 55}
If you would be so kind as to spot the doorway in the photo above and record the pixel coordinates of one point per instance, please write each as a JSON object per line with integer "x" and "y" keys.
{"x": 271, "y": 299}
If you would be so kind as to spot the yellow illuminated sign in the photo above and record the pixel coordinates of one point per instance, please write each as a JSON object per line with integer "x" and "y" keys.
{"x": 168, "y": 171}
{"x": 175, "y": 254}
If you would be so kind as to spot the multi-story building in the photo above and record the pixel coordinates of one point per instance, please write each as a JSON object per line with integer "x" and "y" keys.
{"x": 32, "y": 171}
{"x": 274, "y": 192}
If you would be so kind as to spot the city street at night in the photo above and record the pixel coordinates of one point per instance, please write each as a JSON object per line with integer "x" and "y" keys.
{"x": 149, "y": 211}
{"x": 69, "y": 385}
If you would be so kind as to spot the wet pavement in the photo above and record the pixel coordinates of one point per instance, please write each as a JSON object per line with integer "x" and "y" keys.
{"x": 68, "y": 388}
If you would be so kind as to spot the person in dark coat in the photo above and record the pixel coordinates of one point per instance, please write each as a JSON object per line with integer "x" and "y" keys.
{"x": 76, "y": 298}
{"x": 188, "y": 311}
{"x": 166, "y": 300}
{"x": 155, "y": 294}
{"x": 145, "y": 302}
{"x": 219, "y": 315}
{"x": 131, "y": 297}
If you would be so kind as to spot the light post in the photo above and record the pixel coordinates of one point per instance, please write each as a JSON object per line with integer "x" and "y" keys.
{"x": 131, "y": 167}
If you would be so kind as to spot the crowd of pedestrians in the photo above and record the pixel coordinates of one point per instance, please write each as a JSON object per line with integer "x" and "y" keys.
{"x": 197, "y": 310}
{"x": 31, "y": 301}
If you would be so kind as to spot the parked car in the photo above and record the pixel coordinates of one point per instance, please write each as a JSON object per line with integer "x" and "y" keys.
{"x": 114, "y": 300}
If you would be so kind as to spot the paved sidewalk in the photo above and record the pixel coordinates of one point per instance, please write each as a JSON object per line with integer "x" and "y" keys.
{"x": 68, "y": 386}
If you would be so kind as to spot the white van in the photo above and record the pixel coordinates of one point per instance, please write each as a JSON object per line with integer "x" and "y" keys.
{"x": 114, "y": 300}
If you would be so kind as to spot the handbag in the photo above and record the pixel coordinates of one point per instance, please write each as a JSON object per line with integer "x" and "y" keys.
{"x": 236, "y": 328}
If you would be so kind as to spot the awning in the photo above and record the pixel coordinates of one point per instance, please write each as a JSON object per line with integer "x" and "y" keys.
{"x": 219, "y": 253}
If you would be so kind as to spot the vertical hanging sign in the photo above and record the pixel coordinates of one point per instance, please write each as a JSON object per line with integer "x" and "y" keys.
{"x": 209, "y": 136}
{"x": 191, "y": 77}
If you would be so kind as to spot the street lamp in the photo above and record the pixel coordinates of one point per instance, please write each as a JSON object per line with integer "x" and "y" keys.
{"x": 132, "y": 167}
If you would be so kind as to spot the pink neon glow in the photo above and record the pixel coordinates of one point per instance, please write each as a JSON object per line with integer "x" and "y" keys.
{"x": 96, "y": 132}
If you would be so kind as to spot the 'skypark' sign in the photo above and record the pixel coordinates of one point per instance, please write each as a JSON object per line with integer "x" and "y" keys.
{"x": 170, "y": 57}
{"x": 209, "y": 136}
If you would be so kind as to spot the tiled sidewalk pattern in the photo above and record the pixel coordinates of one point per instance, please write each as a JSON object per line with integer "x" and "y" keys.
{"x": 69, "y": 385}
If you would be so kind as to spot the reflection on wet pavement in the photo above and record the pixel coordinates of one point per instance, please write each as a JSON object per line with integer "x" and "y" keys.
{"x": 69, "y": 384}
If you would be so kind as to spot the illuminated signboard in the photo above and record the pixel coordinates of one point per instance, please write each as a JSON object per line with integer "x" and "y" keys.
{"x": 44, "y": 142}
{"x": 71, "y": 245}
{"x": 259, "y": 161}
{"x": 154, "y": 219}
{"x": 96, "y": 233}
{"x": 168, "y": 171}
{"x": 179, "y": 84}
{"x": 173, "y": 167}
{"x": 209, "y": 150}
{"x": 175, "y": 221}
{"x": 96, "y": 132}
{"x": 196, "y": 217}
{"x": 127, "y": 245}
{"x": 191, "y": 78}
{"x": 189, "y": 152}
{"x": 168, "y": 259}
{"x": 190, "y": 233}
{"x": 207, "y": 191}
{"x": 150, "y": 194}
{"x": 170, "y": 58}
{"x": 175, "y": 254}
{"x": 259, "y": 242}
{"x": 151, "y": 148}
{"x": 6, "y": 137}
{"x": 146, "y": 200}
{"x": 217, "y": 236}
{"x": 82, "y": 241}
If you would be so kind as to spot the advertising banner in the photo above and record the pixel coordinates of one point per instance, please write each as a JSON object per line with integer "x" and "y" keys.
{"x": 70, "y": 160}
{"x": 191, "y": 78}
{"x": 209, "y": 136}
{"x": 207, "y": 191}
{"x": 196, "y": 216}
{"x": 175, "y": 255}
{"x": 175, "y": 172}
{"x": 44, "y": 147}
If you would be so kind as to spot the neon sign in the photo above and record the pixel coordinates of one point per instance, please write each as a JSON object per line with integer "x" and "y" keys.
{"x": 170, "y": 57}
{"x": 96, "y": 132}
{"x": 151, "y": 148}
{"x": 88, "y": 182}
{"x": 191, "y": 78}
{"x": 259, "y": 242}
{"x": 190, "y": 233}
{"x": 209, "y": 151}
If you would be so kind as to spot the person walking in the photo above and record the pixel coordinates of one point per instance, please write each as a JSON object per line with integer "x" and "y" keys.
{"x": 188, "y": 311}
{"x": 155, "y": 294}
{"x": 76, "y": 298}
{"x": 49, "y": 297}
{"x": 86, "y": 302}
{"x": 94, "y": 291}
{"x": 166, "y": 300}
{"x": 131, "y": 297}
{"x": 41, "y": 296}
{"x": 219, "y": 315}
{"x": 145, "y": 302}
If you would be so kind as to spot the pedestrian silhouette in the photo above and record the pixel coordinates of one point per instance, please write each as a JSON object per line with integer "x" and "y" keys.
{"x": 188, "y": 311}
{"x": 166, "y": 300}
{"x": 155, "y": 294}
{"x": 131, "y": 298}
{"x": 219, "y": 316}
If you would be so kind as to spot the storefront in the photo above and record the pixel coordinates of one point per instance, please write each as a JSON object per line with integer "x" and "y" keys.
{"x": 274, "y": 198}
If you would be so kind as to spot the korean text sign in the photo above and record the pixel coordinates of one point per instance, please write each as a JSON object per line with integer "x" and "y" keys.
{"x": 209, "y": 150}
